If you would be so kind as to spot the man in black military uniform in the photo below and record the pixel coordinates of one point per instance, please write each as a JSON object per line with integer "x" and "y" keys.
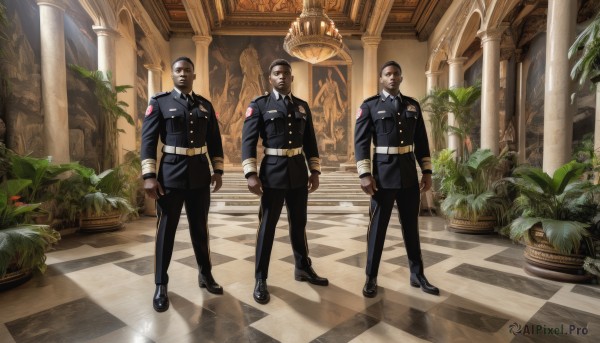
{"x": 284, "y": 123}
{"x": 395, "y": 125}
{"x": 187, "y": 126}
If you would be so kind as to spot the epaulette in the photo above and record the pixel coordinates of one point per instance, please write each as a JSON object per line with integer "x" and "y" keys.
{"x": 158, "y": 95}
{"x": 372, "y": 98}
{"x": 409, "y": 98}
{"x": 201, "y": 97}
{"x": 261, "y": 96}
{"x": 299, "y": 100}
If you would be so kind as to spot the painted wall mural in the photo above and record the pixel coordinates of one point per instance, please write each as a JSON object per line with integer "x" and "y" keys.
{"x": 141, "y": 86}
{"x": 293, "y": 6}
{"x": 21, "y": 68}
{"x": 329, "y": 103}
{"x": 535, "y": 59}
{"x": 239, "y": 68}
{"x": 23, "y": 112}
{"x": 472, "y": 76}
{"x": 84, "y": 117}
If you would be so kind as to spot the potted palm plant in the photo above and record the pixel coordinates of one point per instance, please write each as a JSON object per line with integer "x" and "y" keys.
{"x": 23, "y": 245}
{"x": 586, "y": 49}
{"x": 555, "y": 214}
{"x": 460, "y": 102}
{"x": 44, "y": 176}
{"x": 112, "y": 109}
{"x": 436, "y": 105}
{"x": 102, "y": 206}
{"x": 475, "y": 202}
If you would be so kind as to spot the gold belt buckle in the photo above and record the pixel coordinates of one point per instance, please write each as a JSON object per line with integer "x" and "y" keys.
{"x": 290, "y": 152}
{"x": 190, "y": 151}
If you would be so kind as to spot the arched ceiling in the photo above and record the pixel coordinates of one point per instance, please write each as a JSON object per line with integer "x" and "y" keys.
{"x": 407, "y": 18}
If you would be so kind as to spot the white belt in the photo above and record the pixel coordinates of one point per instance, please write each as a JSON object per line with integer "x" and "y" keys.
{"x": 184, "y": 151}
{"x": 393, "y": 150}
{"x": 283, "y": 152}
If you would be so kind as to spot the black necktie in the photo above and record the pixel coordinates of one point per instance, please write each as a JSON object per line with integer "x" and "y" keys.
{"x": 190, "y": 100}
{"x": 396, "y": 101}
{"x": 287, "y": 102}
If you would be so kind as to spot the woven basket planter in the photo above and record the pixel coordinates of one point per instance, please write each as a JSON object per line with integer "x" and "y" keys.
{"x": 483, "y": 225}
{"x": 14, "y": 278}
{"x": 543, "y": 260}
{"x": 108, "y": 222}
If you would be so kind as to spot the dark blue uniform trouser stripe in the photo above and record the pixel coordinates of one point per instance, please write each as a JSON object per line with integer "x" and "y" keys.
{"x": 168, "y": 208}
{"x": 271, "y": 204}
{"x": 380, "y": 210}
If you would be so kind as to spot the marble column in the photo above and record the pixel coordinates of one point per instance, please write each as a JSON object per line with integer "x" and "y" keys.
{"x": 456, "y": 79}
{"x": 558, "y": 114}
{"x": 521, "y": 114}
{"x": 54, "y": 79}
{"x": 370, "y": 67}
{"x": 154, "y": 86}
{"x": 202, "y": 85}
{"x": 154, "y": 78}
{"x": 106, "y": 50}
{"x": 433, "y": 80}
{"x": 490, "y": 89}
{"x": 597, "y": 126}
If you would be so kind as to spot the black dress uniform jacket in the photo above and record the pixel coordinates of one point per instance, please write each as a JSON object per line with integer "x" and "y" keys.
{"x": 279, "y": 128}
{"x": 169, "y": 118}
{"x": 379, "y": 120}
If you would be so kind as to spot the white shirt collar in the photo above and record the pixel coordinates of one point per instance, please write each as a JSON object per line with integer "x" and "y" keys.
{"x": 385, "y": 95}
{"x": 178, "y": 91}
{"x": 279, "y": 95}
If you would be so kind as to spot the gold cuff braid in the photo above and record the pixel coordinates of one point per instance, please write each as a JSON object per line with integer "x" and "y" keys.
{"x": 217, "y": 163}
{"x": 363, "y": 166}
{"x": 426, "y": 163}
{"x": 314, "y": 163}
{"x": 249, "y": 166}
{"x": 149, "y": 166}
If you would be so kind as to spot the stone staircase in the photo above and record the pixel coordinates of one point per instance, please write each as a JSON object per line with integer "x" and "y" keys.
{"x": 339, "y": 192}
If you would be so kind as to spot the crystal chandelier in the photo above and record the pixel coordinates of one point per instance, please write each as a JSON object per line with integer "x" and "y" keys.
{"x": 313, "y": 36}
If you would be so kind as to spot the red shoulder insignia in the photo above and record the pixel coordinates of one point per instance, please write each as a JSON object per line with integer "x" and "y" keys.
{"x": 249, "y": 112}
{"x": 148, "y": 110}
{"x": 359, "y": 113}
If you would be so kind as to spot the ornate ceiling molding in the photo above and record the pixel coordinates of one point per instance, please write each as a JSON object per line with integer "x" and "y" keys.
{"x": 353, "y": 18}
{"x": 379, "y": 15}
{"x": 197, "y": 17}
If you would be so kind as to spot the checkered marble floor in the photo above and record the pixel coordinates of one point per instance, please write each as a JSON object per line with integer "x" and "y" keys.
{"x": 99, "y": 287}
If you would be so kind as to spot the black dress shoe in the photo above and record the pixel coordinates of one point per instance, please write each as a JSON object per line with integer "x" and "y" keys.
{"x": 207, "y": 281}
{"x": 370, "y": 289}
{"x": 419, "y": 280}
{"x": 308, "y": 274}
{"x": 261, "y": 293}
{"x": 161, "y": 299}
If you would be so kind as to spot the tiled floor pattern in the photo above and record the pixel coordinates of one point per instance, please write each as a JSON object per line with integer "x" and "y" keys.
{"x": 98, "y": 288}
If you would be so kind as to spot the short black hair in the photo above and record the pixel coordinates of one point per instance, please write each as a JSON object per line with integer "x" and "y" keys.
{"x": 279, "y": 62}
{"x": 183, "y": 58}
{"x": 390, "y": 63}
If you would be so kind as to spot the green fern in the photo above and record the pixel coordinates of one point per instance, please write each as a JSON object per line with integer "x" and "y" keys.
{"x": 25, "y": 246}
{"x": 562, "y": 204}
{"x": 587, "y": 64}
